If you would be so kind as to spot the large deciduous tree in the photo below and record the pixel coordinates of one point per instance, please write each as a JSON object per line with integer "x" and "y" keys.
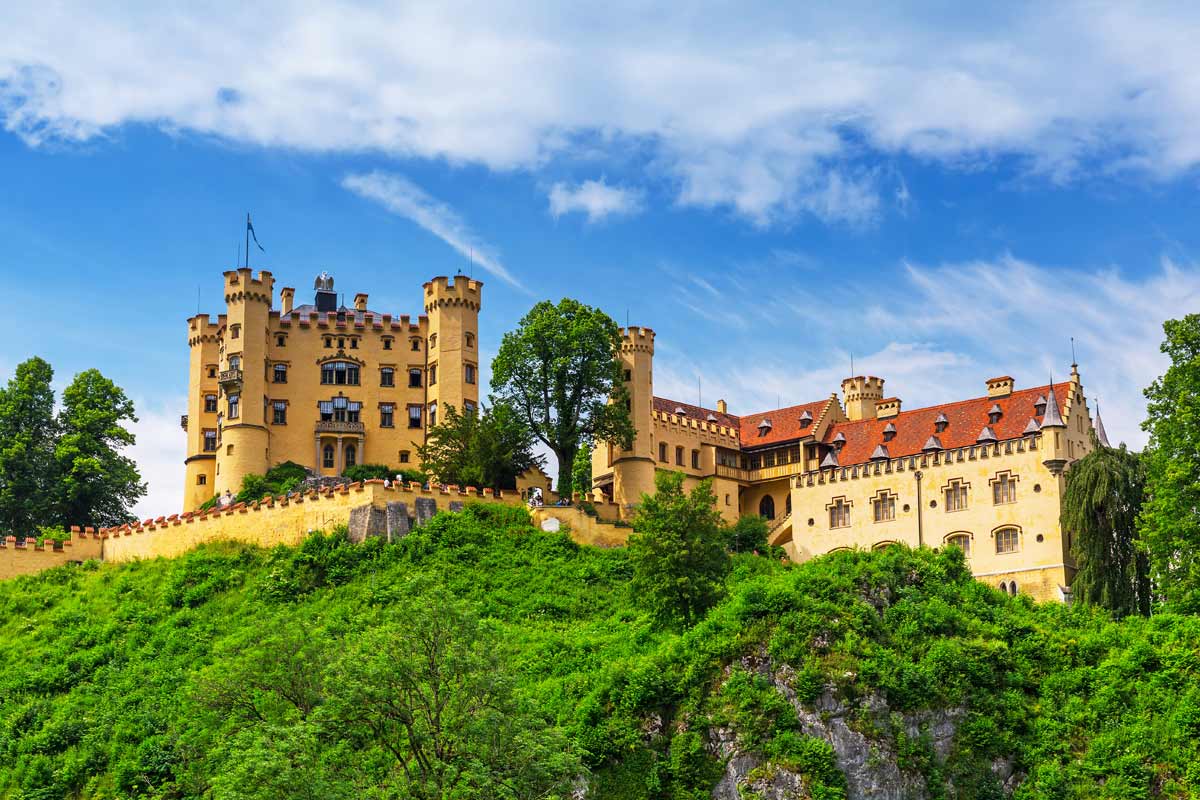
{"x": 28, "y": 431}
{"x": 1100, "y": 508}
{"x": 484, "y": 448}
{"x": 97, "y": 485}
{"x": 1170, "y": 519}
{"x": 559, "y": 371}
{"x": 678, "y": 551}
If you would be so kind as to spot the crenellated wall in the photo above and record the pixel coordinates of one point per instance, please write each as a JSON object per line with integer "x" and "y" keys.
{"x": 23, "y": 557}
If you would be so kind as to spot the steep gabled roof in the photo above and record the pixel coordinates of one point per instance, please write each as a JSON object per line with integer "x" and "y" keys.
{"x": 965, "y": 419}
{"x": 785, "y": 424}
{"x": 666, "y": 406}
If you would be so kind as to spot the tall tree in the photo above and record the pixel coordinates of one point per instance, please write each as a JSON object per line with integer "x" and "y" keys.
{"x": 1170, "y": 519}
{"x": 678, "y": 551}
{"x": 97, "y": 484}
{"x": 581, "y": 471}
{"x": 489, "y": 448}
{"x": 27, "y": 435}
{"x": 1100, "y": 508}
{"x": 559, "y": 371}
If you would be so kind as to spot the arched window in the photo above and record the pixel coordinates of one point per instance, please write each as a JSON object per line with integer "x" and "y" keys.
{"x": 1004, "y": 586}
{"x": 327, "y": 457}
{"x": 883, "y": 545}
{"x": 1012, "y": 588}
{"x": 339, "y": 373}
{"x": 351, "y": 455}
{"x": 662, "y": 452}
{"x": 766, "y": 507}
{"x": 1008, "y": 540}
{"x": 960, "y": 540}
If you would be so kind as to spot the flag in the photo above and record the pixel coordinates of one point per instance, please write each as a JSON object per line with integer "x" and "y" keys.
{"x": 250, "y": 230}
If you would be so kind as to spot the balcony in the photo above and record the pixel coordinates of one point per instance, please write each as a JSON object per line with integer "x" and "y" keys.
{"x": 762, "y": 473}
{"x": 230, "y": 378}
{"x": 336, "y": 426}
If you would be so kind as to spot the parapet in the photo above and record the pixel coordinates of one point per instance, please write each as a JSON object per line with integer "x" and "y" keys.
{"x": 637, "y": 338}
{"x": 241, "y": 284}
{"x": 202, "y": 329}
{"x": 458, "y": 291}
{"x": 863, "y": 386}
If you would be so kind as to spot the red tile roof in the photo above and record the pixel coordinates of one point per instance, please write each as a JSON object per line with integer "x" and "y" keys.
{"x": 663, "y": 405}
{"x": 785, "y": 422}
{"x": 967, "y": 419}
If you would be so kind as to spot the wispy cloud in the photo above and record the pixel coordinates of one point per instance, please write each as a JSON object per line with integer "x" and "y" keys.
{"x": 404, "y": 198}
{"x": 597, "y": 199}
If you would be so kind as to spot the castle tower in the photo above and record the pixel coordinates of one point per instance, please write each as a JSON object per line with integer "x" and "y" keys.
{"x": 633, "y": 469}
{"x": 452, "y": 352}
{"x": 861, "y": 394}
{"x": 245, "y": 439}
{"x": 200, "y": 423}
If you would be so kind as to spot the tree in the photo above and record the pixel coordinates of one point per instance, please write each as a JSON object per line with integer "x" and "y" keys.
{"x": 581, "y": 471}
{"x": 1100, "y": 508}
{"x": 748, "y": 534}
{"x": 1170, "y": 518}
{"x": 27, "y": 435}
{"x": 97, "y": 485}
{"x": 431, "y": 701}
{"x": 559, "y": 371}
{"x": 678, "y": 551}
{"x": 490, "y": 447}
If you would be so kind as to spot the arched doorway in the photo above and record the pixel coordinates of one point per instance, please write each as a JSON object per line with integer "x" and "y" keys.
{"x": 766, "y": 507}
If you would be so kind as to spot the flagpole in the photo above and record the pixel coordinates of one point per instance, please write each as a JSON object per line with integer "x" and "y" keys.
{"x": 247, "y": 240}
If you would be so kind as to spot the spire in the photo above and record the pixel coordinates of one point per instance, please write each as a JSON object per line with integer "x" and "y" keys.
{"x": 1100, "y": 434}
{"x": 1052, "y": 419}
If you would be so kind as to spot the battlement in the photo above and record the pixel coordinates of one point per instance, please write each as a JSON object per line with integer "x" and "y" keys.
{"x": 201, "y": 328}
{"x": 637, "y": 338}
{"x": 863, "y": 386}
{"x": 26, "y": 556}
{"x": 458, "y": 291}
{"x": 698, "y": 426}
{"x": 240, "y": 284}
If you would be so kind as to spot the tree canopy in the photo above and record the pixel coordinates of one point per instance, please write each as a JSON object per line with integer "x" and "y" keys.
{"x": 485, "y": 448}
{"x": 28, "y": 432}
{"x": 1170, "y": 518}
{"x": 1100, "y": 507}
{"x": 559, "y": 372}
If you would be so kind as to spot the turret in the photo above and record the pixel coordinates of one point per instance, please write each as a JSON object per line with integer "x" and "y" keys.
{"x": 200, "y": 461}
{"x": 633, "y": 469}
{"x": 452, "y": 306}
{"x": 861, "y": 394}
{"x": 1053, "y": 435}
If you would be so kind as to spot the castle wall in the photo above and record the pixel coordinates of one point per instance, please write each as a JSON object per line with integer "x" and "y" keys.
{"x": 19, "y": 558}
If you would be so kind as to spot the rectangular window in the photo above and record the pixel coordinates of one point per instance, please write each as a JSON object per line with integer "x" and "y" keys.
{"x": 387, "y": 416}
{"x": 1004, "y": 490}
{"x": 469, "y": 406}
{"x": 956, "y": 496}
{"x": 414, "y": 378}
{"x": 414, "y": 416}
{"x": 839, "y": 514}
{"x": 1007, "y": 540}
{"x": 327, "y": 456}
{"x": 235, "y": 331}
{"x": 404, "y": 456}
{"x": 279, "y": 413}
{"x": 210, "y": 403}
{"x": 339, "y": 373}
{"x": 281, "y": 341}
{"x": 884, "y": 507}
{"x": 662, "y": 452}
{"x": 201, "y": 480}
{"x": 433, "y": 374}
{"x": 469, "y": 373}
{"x": 387, "y": 344}
{"x": 210, "y": 441}
{"x": 387, "y": 376}
{"x": 695, "y": 459}
{"x": 416, "y": 345}
{"x": 280, "y": 373}
{"x": 234, "y": 405}
{"x": 432, "y": 414}
{"x": 678, "y": 456}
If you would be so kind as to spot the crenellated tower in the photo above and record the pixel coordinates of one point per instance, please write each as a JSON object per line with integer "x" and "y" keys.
{"x": 452, "y": 354}
{"x": 861, "y": 394}
{"x": 633, "y": 469}
{"x": 244, "y": 443}
{"x": 200, "y": 424}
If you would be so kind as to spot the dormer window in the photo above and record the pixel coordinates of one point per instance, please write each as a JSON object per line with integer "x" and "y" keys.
{"x": 805, "y": 419}
{"x": 941, "y": 423}
{"x": 839, "y": 440}
{"x": 1039, "y": 405}
{"x": 711, "y": 418}
{"x": 889, "y": 432}
{"x": 994, "y": 414}
{"x": 679, "y": 412}
{"x": 764, "y": 427}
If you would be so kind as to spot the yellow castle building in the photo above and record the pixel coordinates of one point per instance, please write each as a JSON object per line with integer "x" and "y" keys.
{"x": 321, "y": 384}
{"x": 985, "y": 474}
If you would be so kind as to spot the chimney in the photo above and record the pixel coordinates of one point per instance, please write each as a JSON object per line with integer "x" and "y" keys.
{"x": 861, "y": 394}
{"x": 722, "y": 407}
{"x": 1000, "y": 387}
{"x": 286, "y": 296}
{"x": 360, "y": 302}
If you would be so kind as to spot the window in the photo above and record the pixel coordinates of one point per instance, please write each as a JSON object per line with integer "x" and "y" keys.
{"x": 339, "y": 409}
{"x": 279, "y": 412}
{"x": 210, "y": 441}
{"x": 1004, "y": 489}
{"x": 387, "y": 376}
{"x": 351, "y": 455}
{"x": 960, "y": 540}
{"x": 787, "y": 505}
{"x": 695, "y": 459}
{"x": 432, "y": 374}
{"x": 235, "y": 331}
{"x": 354, "y": 344}
{"x": 234, "y": 404}
{"x": 1007, "y": 540}
{"x": 210, "y": 403}
{"x": 341, "y": 344}
{"x": 468, "y": 407}
{"x": 433, "y": 414}
{"x": 404, "y": 456}
{"x": 839, "y": 513}
{"x": 327, "y": 457}
{"x": 339, "y": 373}
{"x": 766, "y": 507}
{"x": 212, "y": 371}
{"x": 280, "y": 340}
{"x": 432, "y": 341}
{"x": 628, "y": 375}
{"x": 469, "y": 373}
{"x": 414, "y": 416}
{"x": 414, "y": 378}
{"x": 280, "y": 373}
{"x": 235, "y": 362}
{"x": 662, "y": 452}
{"x": 956, "y": 495}
{"x": 387, "y": 416}
{"x": 201, "y": 480}
{"x": 329, "y": 342}
{"x": 415, "y": 345}
{"x": 884, "y": 507}
{"x": 678, "y": 455}
{"x": 470, "y": 339}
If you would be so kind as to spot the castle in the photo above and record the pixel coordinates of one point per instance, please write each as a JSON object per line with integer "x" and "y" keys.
{"x": 985, "y": 474}
{"x": 321, "y": 384}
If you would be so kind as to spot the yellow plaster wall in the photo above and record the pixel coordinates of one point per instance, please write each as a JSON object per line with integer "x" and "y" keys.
{"x": 583, "y": 528}
{"x": 25, "y": 559}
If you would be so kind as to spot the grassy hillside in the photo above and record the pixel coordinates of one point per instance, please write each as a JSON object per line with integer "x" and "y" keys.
{"x": 235, "y": 672}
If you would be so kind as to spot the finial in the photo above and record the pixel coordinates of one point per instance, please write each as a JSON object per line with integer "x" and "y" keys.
{"x": 1074, "y": 362}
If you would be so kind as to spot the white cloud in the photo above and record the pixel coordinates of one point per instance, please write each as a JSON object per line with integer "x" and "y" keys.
{"x": 596, "y": 199}
{"x": 405, "y": 199}
{"x": 754, "y": 107}
{"x": 159, "y": 450}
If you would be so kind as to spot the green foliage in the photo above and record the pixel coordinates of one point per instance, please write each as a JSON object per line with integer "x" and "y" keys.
{"x": 1170, "y": 518}
{"x": 581, "y": 471}
{"x": 1100, "y": 507}
{"x": 559, "y": 371}
{"x": 369, "y": 472}
{"x": 487, "y": 448}
{"x": 28, "y": 432}
{"x": 678, "y": 551}
{"x": 280, "y": 479}
{"x": 235, "y": 672}
{"x": 748, "y": 535}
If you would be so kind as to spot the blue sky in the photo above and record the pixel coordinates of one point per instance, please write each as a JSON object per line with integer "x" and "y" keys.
{"x": 772, "y": 190}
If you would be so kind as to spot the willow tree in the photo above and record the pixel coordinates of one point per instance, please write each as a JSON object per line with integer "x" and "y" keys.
{"x": 1100, "y": 509}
